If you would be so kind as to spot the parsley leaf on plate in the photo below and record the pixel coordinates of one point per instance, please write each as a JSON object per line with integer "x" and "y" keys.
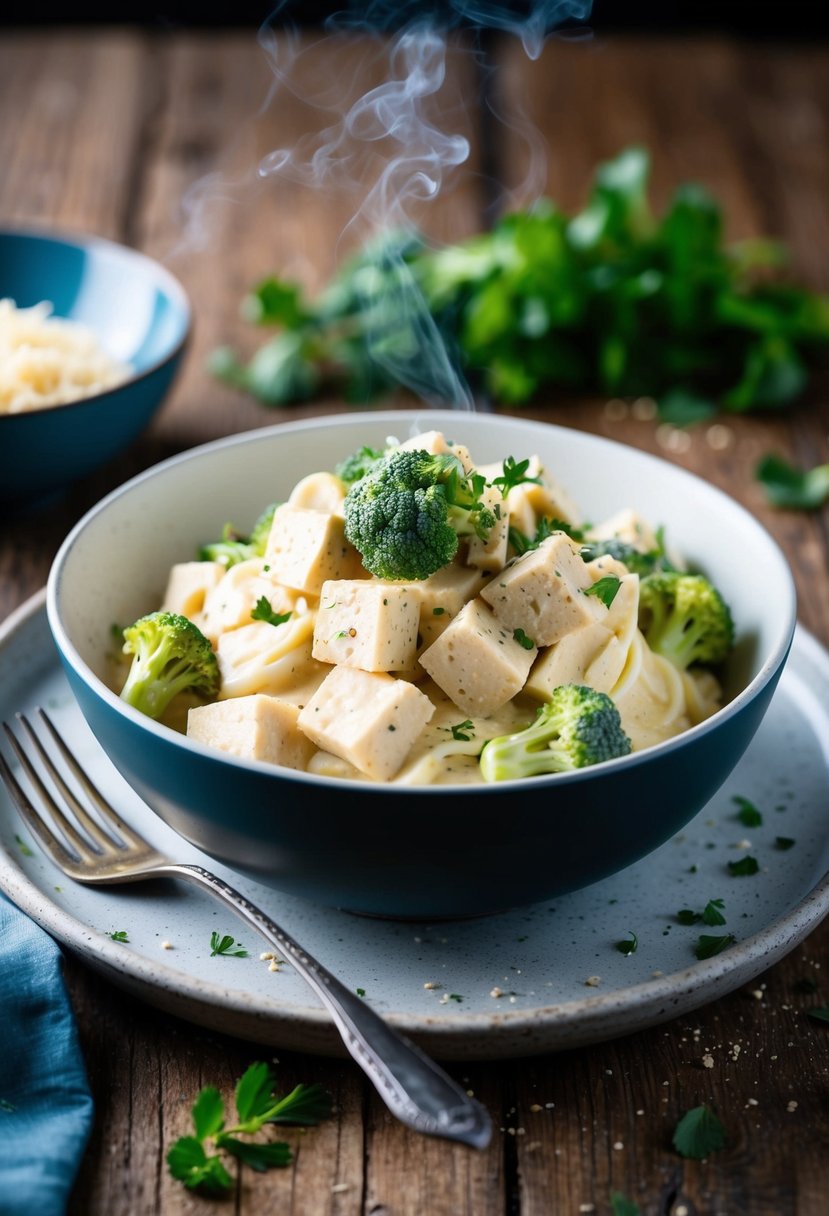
{"x": 698, "y": 1133}
{"x": 745, "y": 866}
{"x": 263, "y": 611}
{"x": 747, "y": 814}
{"x": 628, "y": 945}
{"x": 605, "y": 589}
{"x": 224, "y": 945}
{"x": 712, "y": 912}
{"x": 707, "y": 945}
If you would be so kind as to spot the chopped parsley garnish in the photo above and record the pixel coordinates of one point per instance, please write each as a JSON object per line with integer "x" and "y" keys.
{"x": 628, "y": 945}
{"x": 783, "y": 842}
{"x": 687, "y": 916}
{"x": 820, "y": 1013}
{"x": 605, "y": 589}
{"x": 189, "y": 1160}
{"x": 462, "y": 731}
{"x": 438, "y": 611}
{"x": 698, "y": 1133}
{"x": 707, "y": 946}
{"x": 24, "y": 848}
{"x": 514, "y": 474}
{"x": 120, "y": 935}
{"x": 224, "y": 945}
{"x": 712, "y": 912}
{"x": 264, "y": 612}
{"x": 360, "y": 991}
{"x": 748, "y": 814}
{"x": 522, "y": 639}
{"x": 743, "y": 867}
{"x": 454, "y": 996}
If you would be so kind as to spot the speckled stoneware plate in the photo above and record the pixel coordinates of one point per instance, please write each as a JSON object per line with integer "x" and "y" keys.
{"x": 436, "y": 981}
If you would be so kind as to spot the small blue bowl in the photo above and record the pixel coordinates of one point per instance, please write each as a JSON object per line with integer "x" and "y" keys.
{"x": 141, "y": 316}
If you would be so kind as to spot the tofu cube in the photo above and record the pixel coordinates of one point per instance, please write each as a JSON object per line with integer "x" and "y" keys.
{"x": 367, "y": 624}
{"x": 628, "y": 526}
{"x": 477, "y": 661}
{"x": 306, "y": 547}
{"x": 257, "y": 727}
{"x": 368, "y": 718}
{"x": 188, "y": 586}
{"x": 436, "y": 444}
{"x": 590, "y": 655}
{"x": 442, "y": 595}
{"x": 542, "y": 592}
{"x": 490, "y": 554}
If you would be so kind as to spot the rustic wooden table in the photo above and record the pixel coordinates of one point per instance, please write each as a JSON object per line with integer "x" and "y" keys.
{"x": 109, "y": 132}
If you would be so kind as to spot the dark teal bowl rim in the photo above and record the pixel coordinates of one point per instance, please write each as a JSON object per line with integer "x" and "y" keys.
{"x": 84, "y": 241}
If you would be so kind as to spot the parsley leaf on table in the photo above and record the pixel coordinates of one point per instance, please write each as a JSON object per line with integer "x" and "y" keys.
{"x": 698, "y": 1133}
{"x": 620, "y": 1205}
{"x": 793, "y": 488}
{"x": 256, "y": 1105}
{"x": 120, "y": 935}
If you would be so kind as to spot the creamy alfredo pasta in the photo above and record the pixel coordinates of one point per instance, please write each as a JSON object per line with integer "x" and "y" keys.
{"x": 328, "y": 669}
{"x": 46, "y": 360}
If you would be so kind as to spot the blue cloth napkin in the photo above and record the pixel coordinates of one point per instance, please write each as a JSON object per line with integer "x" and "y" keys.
{"x": 45, "y": 1104}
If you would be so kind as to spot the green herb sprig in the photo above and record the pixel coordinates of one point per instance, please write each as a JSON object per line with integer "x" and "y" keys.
{"x": 263, "y": 611}
{"x": 698, "y": 1133}
{"x": 190, "y": 1159}
{"x": 616, "y": 299}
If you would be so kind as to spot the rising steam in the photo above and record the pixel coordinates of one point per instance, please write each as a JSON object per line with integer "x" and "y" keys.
{"x": 390, "y": 149}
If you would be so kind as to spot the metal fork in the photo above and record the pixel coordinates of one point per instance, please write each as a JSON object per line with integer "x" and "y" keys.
{"x": 413, "y": 1087}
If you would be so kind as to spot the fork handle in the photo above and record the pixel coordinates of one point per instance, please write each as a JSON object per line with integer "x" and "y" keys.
{"x": 412, "y": 1085}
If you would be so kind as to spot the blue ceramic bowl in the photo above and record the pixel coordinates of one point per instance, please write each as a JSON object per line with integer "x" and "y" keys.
{"x": 140, "y": 315}
{"x": 413, "y": 852}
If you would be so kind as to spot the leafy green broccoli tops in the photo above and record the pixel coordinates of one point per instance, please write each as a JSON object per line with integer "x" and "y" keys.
{"x": 684, "y": 618}
{"x": 170, "y": 655}
{"x": 405, "y": 515}
{"x": 577, "y": 727}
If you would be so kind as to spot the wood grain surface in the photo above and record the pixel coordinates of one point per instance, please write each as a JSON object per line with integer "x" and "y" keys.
{"x": 156, "y": 140}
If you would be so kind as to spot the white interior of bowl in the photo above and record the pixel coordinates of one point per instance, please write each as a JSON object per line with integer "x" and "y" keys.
{"x": 113, "y": 566}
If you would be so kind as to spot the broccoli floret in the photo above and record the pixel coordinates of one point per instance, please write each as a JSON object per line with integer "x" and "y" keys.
{"x": 636, "y": 561}
{"x": 170, "y": 654}
{"x": 684, "y": 618}
{"x": 404, "y": 517}
{"x": 358, "y": 464}
{"x": 233, "y": 547}
{"x": 577, "y": 727}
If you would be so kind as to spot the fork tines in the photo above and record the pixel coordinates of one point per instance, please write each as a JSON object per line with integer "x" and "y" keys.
{"x": 78, "y": 841}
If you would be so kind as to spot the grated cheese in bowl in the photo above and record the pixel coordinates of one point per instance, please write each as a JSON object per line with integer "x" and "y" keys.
{"x": 46, "y": 360}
